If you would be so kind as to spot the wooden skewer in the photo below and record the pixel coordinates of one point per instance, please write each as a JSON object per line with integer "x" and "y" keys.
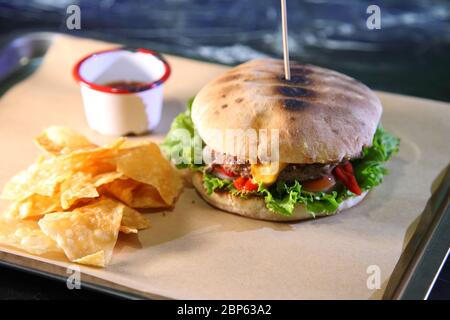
{"x": 287, "y": 70}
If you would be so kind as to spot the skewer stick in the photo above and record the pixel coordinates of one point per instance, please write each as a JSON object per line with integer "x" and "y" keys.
{"x": 287, "y": 70}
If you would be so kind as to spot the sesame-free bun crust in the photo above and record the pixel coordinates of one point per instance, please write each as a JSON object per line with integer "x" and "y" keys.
{"x": 322, "y": 116}
{"x": 254, "y": 207}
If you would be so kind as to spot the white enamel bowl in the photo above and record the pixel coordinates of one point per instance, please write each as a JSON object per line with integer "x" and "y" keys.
{"x": 122, "y": 111}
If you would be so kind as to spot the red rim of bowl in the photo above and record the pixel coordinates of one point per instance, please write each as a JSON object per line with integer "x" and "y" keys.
{"x": 150, "y": 85}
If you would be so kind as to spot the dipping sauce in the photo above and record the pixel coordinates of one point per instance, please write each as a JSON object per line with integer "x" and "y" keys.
{"x": 132, "y": 86}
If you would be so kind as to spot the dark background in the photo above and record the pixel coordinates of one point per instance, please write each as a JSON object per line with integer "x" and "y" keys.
{"x": 409, "y": 54}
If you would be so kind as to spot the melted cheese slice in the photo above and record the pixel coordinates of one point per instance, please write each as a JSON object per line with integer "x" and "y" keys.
{"x": 267, "y": 173}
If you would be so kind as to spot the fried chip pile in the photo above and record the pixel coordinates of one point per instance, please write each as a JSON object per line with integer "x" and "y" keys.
{"x": 78, "y": 196}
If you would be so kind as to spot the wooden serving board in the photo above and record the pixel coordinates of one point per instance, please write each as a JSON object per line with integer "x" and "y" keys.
{"x": 195, "y": 251}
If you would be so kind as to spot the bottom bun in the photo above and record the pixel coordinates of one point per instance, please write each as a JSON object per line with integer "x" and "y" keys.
{"x": 255, "y": 207}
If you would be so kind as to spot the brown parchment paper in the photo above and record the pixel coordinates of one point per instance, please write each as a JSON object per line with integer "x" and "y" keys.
{"x": 196, "y": 251}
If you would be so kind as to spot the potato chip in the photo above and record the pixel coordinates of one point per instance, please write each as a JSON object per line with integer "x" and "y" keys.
{"x": 146, "y": 196}
{"x": 77, "y": 186}
{"x": 16, "y": 187}
{"x": 13, "y": 189}
{"x": 99, "y": 167}
{"x": 134, "y": 219}
{"x": 129, "y": 144}
{"x": 105, "y": 178}
{"x": 94, "y": 161}
{"x": 86, "y": 230}
{"x": 96, "y": 259}
{"x": 44, "y": 176}
{"x": 73, "y": 199}
{"x": 33, "y": 206}
{"x": 146, "y": 164}
{"x": 26, "y": 235}
{"x": 61, "y": 140}
{"x": 128, "y": 230}
{"x": 121, "y": 189}
{"x": 40, "y": 178}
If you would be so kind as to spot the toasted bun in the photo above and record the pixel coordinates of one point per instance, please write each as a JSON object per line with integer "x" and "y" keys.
{"x": 322, "y": 116}
{"x": 255, "y": 207}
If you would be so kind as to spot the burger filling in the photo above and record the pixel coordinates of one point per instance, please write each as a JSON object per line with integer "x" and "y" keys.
{"x": 321, "y": 188}
{"x": 314, "y": 177}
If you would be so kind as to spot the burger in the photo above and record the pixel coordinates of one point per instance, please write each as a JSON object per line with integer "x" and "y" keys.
{"x": 330, "y": 146}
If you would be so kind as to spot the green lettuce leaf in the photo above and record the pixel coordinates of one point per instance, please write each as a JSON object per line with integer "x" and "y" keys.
{"x": 212, "y": 183}
{"x": 284, "y": 198}
{"x": 175, "y": 148}
{"x": 281, "y": 199}
{"x": 370, "y": 169}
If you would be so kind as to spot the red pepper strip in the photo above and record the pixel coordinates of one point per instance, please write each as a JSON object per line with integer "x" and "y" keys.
{"x": 345, "y": 174}
{"x": 239, "y": 183}
{"x": 348, "y": 167}
{"x": 245, "y": 184}
{"x": 250, "y": 186}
